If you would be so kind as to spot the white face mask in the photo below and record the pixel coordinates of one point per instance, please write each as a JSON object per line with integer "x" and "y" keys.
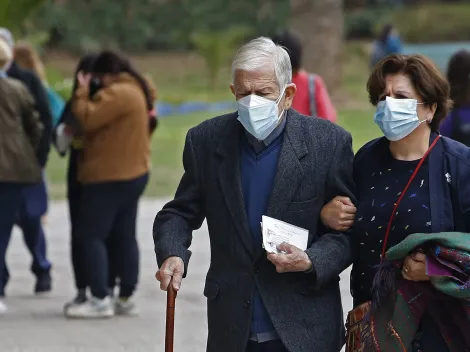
{"x": 258, "y": 115}
{"x": 397, "y": 118}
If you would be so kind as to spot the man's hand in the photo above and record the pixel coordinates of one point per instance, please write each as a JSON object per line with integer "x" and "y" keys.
{"x": 338, "y": 214}
{"x": 172, "y": 268}
{"x": 292, "y": 260}
{"x": 414, "y": 267}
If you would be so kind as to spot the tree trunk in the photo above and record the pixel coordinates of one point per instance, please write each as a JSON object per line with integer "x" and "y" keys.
{"x": 320, "y": 26}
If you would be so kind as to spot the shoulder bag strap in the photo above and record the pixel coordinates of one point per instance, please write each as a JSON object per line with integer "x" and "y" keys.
{"x": 415, "y": 172}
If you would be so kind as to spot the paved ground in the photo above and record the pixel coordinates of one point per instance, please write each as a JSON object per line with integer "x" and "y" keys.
{"x": 37, "y": 324}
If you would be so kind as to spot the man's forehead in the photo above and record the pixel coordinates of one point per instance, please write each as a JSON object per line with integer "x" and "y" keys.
{"x": 262, "y": 75}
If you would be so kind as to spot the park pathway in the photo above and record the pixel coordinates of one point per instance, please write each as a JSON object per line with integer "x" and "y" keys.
{"x": 36, "y": 324}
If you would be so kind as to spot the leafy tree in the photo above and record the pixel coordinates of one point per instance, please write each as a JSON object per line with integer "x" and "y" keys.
{"x": 217, "y": 47}
{"x": 14, "y": 12}
{"x": 140, "y": 25}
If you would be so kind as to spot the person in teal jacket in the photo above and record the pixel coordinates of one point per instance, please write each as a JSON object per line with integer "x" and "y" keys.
{"x": 56, "y": 104}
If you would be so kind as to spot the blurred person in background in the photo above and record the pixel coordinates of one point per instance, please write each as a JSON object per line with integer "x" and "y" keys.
{"x": 20, "y": 137}
{"x": 34, "y": 197}
{"x": 28, "y": 58}
{"x": 387, "y": 43}
{"x": 457, "y": 124}
{"x": 311, "y": 98}
{"x": 113, "y": 170}
{"x": 68, "y": 137}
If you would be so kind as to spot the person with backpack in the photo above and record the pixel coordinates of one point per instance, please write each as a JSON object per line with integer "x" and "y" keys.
{"x": 457, "y": 123}
{"x": 312, "y": 98}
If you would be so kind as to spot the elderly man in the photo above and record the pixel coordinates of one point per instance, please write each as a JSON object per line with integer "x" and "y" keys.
{"x": 265, "y": 159}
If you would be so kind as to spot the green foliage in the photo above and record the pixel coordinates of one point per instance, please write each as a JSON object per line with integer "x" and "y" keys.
{"x": 63, "y": 86}
{"x": 142, "y": 25}
{"x": 427, "y": 23}
{"x": 14, "y": 12}
{"x": 362, "y": 23}
{"x": 433, "y": 23}
{"x": 217, "y": 48}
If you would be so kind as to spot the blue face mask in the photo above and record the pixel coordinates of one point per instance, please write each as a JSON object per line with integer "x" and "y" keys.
{"x": 397, "y": 118}
{"x": 258, "y": 115}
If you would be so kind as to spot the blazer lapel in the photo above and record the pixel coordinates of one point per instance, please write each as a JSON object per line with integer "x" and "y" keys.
{"x": 229, "y": 177}
{"x": 289, "y": 170}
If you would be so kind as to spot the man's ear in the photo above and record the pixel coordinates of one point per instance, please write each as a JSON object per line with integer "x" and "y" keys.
{"x": 291, "y": 89}
{"x": 232, "y": 88}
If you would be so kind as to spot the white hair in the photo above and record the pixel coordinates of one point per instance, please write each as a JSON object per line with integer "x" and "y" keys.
{"x": 260, "y": 52}
{"x": 6, "y": 54}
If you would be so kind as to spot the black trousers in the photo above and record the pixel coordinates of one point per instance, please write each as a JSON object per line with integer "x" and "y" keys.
{"x": 269, "y": 346}
{"x": 74, "y": 194}
{"x": 10, "y": 204}
{"x": 108, "y": 212}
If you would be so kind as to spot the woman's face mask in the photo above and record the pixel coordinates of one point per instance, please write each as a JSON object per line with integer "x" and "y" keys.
{"x": 397, "y": 118}
{"x": 258, "y": 115}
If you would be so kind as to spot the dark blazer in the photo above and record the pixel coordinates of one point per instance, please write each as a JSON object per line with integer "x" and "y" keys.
{"x": 449, "y": 180}
{"x": 315, "y": 164}
{"x": 41, "y": 103}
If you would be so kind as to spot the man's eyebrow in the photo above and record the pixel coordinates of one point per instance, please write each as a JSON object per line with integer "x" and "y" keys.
{"x": 265, "y": 89}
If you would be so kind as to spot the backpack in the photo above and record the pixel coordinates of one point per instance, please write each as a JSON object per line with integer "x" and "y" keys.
{"x": 312, "y": 94}
{"x": 460, "y": 130}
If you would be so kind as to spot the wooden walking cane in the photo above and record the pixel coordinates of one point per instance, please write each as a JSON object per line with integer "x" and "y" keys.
{"x": 170, "y": 318}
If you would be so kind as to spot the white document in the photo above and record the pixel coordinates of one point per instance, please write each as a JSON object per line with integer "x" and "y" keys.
{"x": 275, "y": 232}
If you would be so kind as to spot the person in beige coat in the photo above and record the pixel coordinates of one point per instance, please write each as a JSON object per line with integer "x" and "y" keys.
{"x": 20, "y": 135}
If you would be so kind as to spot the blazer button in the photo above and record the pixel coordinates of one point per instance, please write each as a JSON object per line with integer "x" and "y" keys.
{"x": 247, "y": 304}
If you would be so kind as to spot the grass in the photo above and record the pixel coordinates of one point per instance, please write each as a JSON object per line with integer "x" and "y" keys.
{"x": 167, "y": 148}
{"x": 181, "y": 77}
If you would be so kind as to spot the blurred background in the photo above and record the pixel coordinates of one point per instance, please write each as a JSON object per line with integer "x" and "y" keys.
{"x": 186, "y": 47}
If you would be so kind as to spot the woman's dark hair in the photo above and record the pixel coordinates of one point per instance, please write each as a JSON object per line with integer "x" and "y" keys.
{"x": 291, "y": 42}
{"x": 109, "y": 62}
{"x": 458, "y": 75}
{"x": 425, "y": 77}
{"x": 85, "y": 65}
{"x": 385, "y": 33}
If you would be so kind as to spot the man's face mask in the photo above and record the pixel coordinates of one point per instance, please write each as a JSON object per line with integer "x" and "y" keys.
{"x": 258, "y": 115}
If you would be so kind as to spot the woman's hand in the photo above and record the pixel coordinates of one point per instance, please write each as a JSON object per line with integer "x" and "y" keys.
{"x": 338, "y": 214}
{"x": 414, "y": 267}
{"x": 83, "y": 79}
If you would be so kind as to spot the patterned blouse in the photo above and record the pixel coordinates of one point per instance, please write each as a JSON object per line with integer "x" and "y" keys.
{"x": 379, "y": 187}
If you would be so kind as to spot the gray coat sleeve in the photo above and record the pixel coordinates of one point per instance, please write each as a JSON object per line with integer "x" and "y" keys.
{"x": 332, "y": 252}
{"x": 174, "y": 224}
